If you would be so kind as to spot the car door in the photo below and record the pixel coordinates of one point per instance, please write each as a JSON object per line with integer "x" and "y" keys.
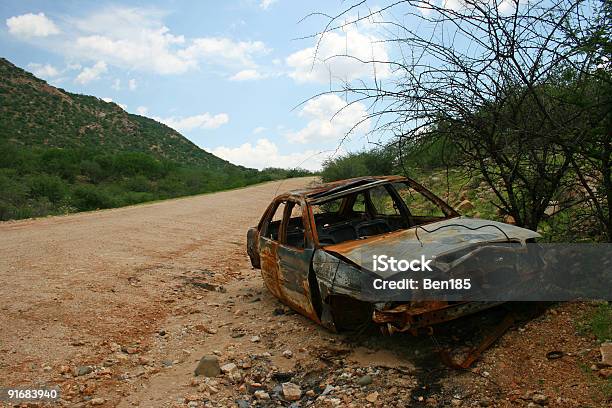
{"x": 269, "y": 241}
{"x": 295, "y": 253}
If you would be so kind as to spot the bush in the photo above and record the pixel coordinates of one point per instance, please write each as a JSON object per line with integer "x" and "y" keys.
{"x": 89, "y": 197}
{"x": 38, "y": 181}
{"x": 51, "y": 187}
{"x": 370, "y": 163}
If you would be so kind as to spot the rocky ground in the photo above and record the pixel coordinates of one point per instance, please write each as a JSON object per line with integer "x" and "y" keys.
{"x": 123, "y": 307}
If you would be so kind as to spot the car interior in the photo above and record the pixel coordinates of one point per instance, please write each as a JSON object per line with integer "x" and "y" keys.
{"x": 366, "y": 213}
{"x": 361, "y": 214}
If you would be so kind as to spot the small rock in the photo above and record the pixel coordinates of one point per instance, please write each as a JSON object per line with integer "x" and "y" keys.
{"x": 228, "y": 368}
{"x": 82, "y": 370}
{"x": 208, "y": 367}
{"x": 291, "y": 391}
{"x": 365, "y": 380}
{"x": 455, "y": 402}
{"x": 129, "y": 349}
{"x": 508, "y": 219}
{"x": 372, "y": 397}
{"x": 97, "y": 401}
{"x": 255, "y": 339}
{"x": 539, "y": 398}
{"x": 328, "y": 389}
{"x": 243, "y": 403}
{"x": 235, "y": 376}
{"x": 287, "y": 353}
{"x": 142, "y": 360}
{"x": 606, "y": 354}
{"x": 310, "y": 393}
{"x": 167, "y": 363}
{"x": 485, "y": 402}
{"x": 261, "y": 395}
{"x": 465, "y": 205}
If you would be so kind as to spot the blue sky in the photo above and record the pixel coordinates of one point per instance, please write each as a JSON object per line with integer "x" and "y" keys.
{"x": 227, "y": 75}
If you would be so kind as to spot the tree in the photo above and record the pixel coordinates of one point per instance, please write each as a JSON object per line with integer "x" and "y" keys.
{"x": 505, "y": 83}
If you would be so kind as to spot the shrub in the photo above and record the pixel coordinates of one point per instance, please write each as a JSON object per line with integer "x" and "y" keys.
{"x": 51, "y": 187}
{"x": 89, "y": 197}
{"x": 369, "y": 163}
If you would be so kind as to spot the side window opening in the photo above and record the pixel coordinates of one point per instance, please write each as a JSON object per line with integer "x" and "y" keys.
{"x": 418, "y": 204}
{"x": 295, "y": 234}
{"x": 273, "y": 228}
{"x": 383, "y": 202}
{"x": 359, "y": 206}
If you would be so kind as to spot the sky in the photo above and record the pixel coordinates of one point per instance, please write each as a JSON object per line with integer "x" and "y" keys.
{"x": 233, "y": 76}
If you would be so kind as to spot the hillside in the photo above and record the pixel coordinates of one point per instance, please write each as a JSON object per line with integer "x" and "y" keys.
{"x": 61, "y": 153}
{"x": 34, "y": 113}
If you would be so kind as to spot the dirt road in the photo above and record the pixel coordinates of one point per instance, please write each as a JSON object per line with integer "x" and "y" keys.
{"x": 116, "y": 308}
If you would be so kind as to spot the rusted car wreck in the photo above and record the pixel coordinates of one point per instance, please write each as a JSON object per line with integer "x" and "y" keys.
{"x": 311, "y": 244}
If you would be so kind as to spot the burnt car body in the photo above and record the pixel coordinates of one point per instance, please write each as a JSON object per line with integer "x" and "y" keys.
{"x": 311, "y": 244}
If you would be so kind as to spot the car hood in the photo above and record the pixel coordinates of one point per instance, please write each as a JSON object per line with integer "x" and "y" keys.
{"x": 430, "y": 240}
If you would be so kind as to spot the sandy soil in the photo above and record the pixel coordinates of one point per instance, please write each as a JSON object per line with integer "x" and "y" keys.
{"x": 134, "y": 297}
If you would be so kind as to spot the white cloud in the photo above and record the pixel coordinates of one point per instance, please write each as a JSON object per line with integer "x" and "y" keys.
{"x": 506, "y": 6}
{"x": 265, "y": 153}
{"x": 201, "y": 121}
{"x": 224, "y": 51}
{"x": 135, "y": 39}
{"x": 31, "y": 25}
{"x": 142, "y": 110}
{"x": 330, "y": 119}
{"x": 246, "y": 75}
{"x": 455, "y": 5}
{"x": 92, "y": 73}
{"x": 43, "y": 71}
{"x": 339, "y": 57}
{"x": 132, "y": 84}
{"x": 145, "y": 49}
{"x": 503, "y": 6}
{"x": 264, "y": 4}
{"x": 258, "y": 130}
{"x": 116, "y": 85}
{"x": 110, "y": 100}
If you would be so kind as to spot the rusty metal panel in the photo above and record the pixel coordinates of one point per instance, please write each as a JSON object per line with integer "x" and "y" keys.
{"x": 294, "y": 266}
{"x": 268, "y": 252}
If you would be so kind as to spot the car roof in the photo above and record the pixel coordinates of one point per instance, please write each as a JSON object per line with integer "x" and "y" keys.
{"x": 325, "y": 191}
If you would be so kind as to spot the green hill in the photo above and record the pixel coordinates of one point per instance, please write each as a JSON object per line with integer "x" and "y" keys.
{"x": 33, "y": 113}
{"x": 62, "y": 152}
